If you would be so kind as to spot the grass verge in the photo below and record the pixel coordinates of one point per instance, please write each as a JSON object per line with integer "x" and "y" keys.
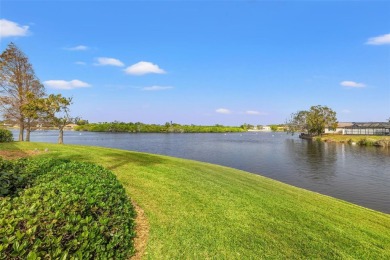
{"x": 197, "y": 210}
{"x": 358, "y": 139}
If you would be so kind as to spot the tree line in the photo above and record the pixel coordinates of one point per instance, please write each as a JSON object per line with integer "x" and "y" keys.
{"x": 23, "y": 99}
{"x": 168, "y": 127}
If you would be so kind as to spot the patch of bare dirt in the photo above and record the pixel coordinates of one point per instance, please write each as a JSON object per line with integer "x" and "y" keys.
{"x": 142, "y": 231}
{"x": 17, "y": 154}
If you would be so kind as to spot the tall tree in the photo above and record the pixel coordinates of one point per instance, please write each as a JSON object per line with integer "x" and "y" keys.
{"x": 297, "y": 122}
{"x": 33, "y": 110}
{"x": 313, "y": 121}
{"x": 17, "y": 81}
{"x": 56, "y": 108}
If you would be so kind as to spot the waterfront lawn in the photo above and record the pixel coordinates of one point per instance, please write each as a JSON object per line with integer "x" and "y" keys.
{"x": 353, "y": 138}
{"x": 201, "y": 211}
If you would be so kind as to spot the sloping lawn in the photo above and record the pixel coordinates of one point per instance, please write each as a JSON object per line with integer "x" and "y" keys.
{"x": 197, "y": 210}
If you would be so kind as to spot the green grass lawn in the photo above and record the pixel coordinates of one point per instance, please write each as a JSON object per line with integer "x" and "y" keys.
{"x": 353, "y": 138}
{"x": 203, "y": 211}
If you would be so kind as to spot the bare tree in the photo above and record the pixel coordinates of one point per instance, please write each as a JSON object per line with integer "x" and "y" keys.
{"x": 18, "y": 86}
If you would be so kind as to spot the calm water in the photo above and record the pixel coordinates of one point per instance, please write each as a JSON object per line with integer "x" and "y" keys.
{"x": 357, "y": 174}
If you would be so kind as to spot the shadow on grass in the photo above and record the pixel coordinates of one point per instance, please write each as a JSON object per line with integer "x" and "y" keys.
{"x": 119, "y": 159}
{"x": 105, "y": 156}
{"x": 11, "y": 151}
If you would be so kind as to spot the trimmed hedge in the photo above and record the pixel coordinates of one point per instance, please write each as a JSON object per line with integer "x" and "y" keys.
{"x": 6, "y": 136}
{"x": 20, "y": 174}
{"x": 66, "y": 210}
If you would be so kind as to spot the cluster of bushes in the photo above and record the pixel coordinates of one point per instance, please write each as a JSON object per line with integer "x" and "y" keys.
{"x": 5, "y": 135}
{"x": 153, "y": 128}
{"x": 61, "y": 209}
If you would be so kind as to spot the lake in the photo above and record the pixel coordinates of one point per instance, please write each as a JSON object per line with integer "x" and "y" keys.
{"x": 360, "y": 175}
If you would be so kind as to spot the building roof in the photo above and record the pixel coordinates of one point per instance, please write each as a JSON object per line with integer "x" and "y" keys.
{"x": 370, "y": 125}
{"x": 344, "y": 124}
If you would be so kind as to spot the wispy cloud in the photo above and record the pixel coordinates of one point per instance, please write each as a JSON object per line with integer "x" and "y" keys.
{"x": 104, "y": 61}
{"x": 144, "y": 67}
{"x": 352, "y": 84}
{"x": 78, "y": 48}
{"x": 157, "y": 88}
{"x": 223, "y": 111}
{"x": 346, "y": 111}
{"x": 63, "y": 84}
{"x": 9, "y": 29}
{"x": 80, "y": 63}
{"x": 255, "y": 113}
{"x": 379, "y": 40}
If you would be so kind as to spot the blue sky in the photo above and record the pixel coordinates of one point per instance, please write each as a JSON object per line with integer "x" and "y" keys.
{"x": 207, "y": 62}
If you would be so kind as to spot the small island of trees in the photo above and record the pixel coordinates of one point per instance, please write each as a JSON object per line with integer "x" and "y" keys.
{"x": 313, "y": 121}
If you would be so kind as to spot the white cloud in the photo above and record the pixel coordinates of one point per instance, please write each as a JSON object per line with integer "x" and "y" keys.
{"x": 156, "y": 88}
{"x": 9, "y": 29}
{"x": 223, "y": 111}
{"x": 144, "y": 67}
{"x": 379, "y": 40}
{"x": 252, "y": 112}
{"x": 78, "y": 48}
{"x": 352, "y": 84}
{"x": 104, "y": 61}
{"x": 63, "y": 84}
{"x": 80, "y": 63}
{"x": 345, "y": 111}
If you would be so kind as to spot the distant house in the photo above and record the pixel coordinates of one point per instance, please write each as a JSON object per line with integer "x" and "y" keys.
{"x": 266, "y": 128}
{"x": 70, "y": 126}
{"x": 368, "y": 128}
{"x": 339, "y": 129}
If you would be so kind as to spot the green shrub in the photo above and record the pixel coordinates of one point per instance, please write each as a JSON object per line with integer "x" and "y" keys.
{"x": 6, "y": 136}
{"x": 365, "y": 142}
{"x": 68, "y": 210}
{"x": 17, "y": 175}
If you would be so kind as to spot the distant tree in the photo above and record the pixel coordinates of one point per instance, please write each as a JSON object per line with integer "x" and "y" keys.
{"x": 245, "y": 126}
{"x": 274, "y": 128}
{"x": 33, "y": 110}
{"x": 18, "y": 86}
{"x": 313, "y": 121}
{"x": 297, "y": 122}
{"x": 80, "y": 121}
{"x": 56, "y": 109}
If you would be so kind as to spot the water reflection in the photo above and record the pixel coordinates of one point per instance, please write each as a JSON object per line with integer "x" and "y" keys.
{"x": 314, "y": 160}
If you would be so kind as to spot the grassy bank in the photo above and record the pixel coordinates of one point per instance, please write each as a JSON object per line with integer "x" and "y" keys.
{"x": 198, "y": 210}
{"x": 358, "y": 139}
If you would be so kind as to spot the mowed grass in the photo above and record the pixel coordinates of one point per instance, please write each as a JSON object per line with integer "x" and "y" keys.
{"x": 354, "y": 138}
{"x": 203, "y": 211}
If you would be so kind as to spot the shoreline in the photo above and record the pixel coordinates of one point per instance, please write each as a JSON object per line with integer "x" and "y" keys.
{"x": 202, "y": 205}
{"x": 362, "y": 140}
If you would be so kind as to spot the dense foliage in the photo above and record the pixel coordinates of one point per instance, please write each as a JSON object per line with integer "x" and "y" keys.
{"x": 153, "y": 128}
{"x": 5, "y": 135}
{"x": 313, "y": 121}
{"x": 58, "y": 209}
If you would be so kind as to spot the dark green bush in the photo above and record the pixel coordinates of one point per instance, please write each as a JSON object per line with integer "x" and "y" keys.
{"x": 70, "y": 210}
{"x": 365, "y": 142}
{"x": 17, "y": 175}
{"x": 6, "y": 135}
